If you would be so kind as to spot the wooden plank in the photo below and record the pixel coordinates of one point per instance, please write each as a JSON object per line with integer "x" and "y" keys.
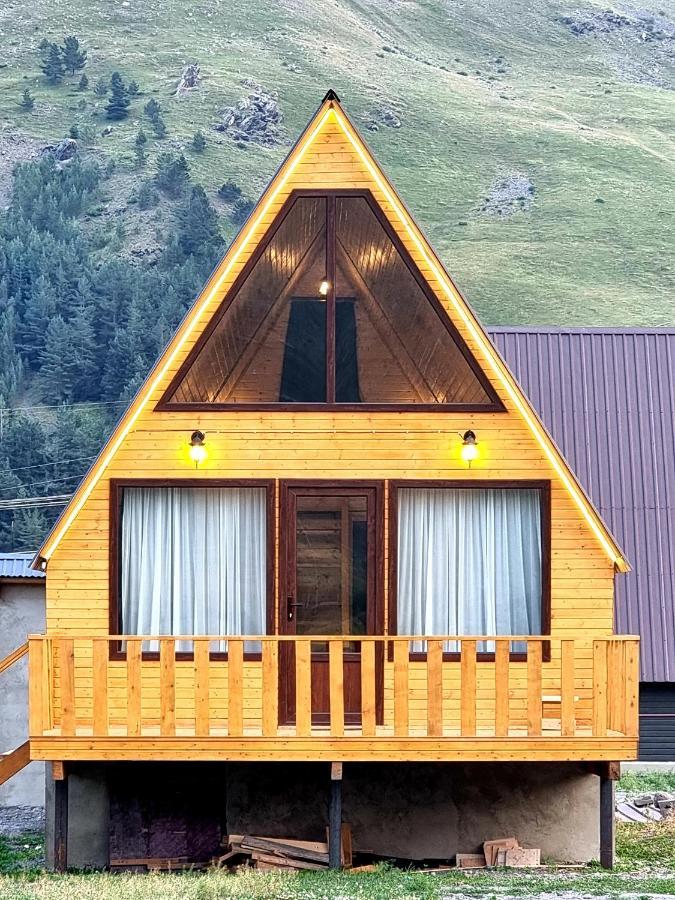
{"x": 134, "y": 649}
{"x": 616, "y": 685}
{"x": 37, "y": 683}
{"x": 368, "y": 681}
{"x": 13, "y": 657}
{"x": 534, "y": 656}
{"x": 201, "y": 679}
{"x": 632, "y": 680}
{"x": 599, "y": 688}
{"x": 67, "y": 684}
{"x": 568, "y": 725}
{"x": 336, "y": 688}
{"x": 99, "y": 668}
{"x": 235, "y": 688}
{"x": 270, "y": 688}
{"x": 502, "y": 654}
{"x": 468, "y": 688}
{"x": 303, "y": 688}
{"x": 401, "y": 698}
{"x": 434, "y": 688}
{"x": 167, "y": 687}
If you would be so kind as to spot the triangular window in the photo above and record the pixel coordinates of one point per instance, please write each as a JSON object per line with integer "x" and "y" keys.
{"x": 330, "y": 310}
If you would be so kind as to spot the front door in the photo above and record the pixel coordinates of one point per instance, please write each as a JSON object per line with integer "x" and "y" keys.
{"x": 330, "y": 586}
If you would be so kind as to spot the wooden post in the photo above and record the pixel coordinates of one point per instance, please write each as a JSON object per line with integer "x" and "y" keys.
{"x": 60, "y": 776}
{"x": 335, "y": 817}
{"x": 607, "y": 820}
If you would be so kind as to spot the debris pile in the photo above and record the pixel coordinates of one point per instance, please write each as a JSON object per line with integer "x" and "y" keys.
{"x": 189, "y": 80}
{"x": 383, "y": 115}
{"x": 505, "y": 852}
{"x": 63, "y": 151}
{"x": 281, "y": 854}
{"x": 644, "y": 25}
{"x": 648, "y": 807}
{"x": 255, "y": 118}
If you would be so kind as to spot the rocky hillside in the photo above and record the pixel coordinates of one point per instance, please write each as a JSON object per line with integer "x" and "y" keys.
{"x": 533, "y": 141}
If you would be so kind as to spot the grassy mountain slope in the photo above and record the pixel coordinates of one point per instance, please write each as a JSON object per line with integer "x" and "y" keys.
{"x": 483, "y": 91}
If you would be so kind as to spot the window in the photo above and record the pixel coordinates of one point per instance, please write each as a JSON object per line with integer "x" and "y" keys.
{"x": 470, "y": 561}
{"x": 193, "y": 560}
{"x": 331, "y": 310}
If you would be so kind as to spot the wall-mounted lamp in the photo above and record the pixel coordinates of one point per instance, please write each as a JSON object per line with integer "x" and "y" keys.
{"x": 469, "y": 447}
{"x": 323, "y": 288}
{"x": 198, "y": 452}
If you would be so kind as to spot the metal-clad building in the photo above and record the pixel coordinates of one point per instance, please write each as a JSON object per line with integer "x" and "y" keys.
{"x": 607, "y": 396}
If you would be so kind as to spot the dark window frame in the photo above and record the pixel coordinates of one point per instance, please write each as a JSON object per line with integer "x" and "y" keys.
{"x": 117, "y": 486}
{"x": 495, "y": 404}
{"x": 544, "y": 488}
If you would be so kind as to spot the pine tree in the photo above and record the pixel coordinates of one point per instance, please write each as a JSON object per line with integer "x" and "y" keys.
{"x": 198, "y": 142}
{"x": 83, "y": 83}
{"x": 29, "y": 528}
{"x": 101, "y": 87}
{"x": 59, "y": 366}
{"x": 52, "y": 63}
{"x": 27, "y": 101}
{"x": 132, "y": 89}
{"x": 173, "y": 174}
{"x": 198, "y": 233}
{"x": 153, "y": 111}
{"x": 118, "y": 106}
{"x": 139, "y": 149}
{"x": 74, "y": 58}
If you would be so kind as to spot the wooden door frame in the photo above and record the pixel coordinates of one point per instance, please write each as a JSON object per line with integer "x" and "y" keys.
{"x": 375, "y": 608}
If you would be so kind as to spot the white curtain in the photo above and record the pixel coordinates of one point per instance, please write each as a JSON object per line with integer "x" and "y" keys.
{"x": 469, "y": 561}
{"x": 193, "y": 561}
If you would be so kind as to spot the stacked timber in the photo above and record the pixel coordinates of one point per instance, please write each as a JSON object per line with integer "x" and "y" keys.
{"x": 281, "y": 854}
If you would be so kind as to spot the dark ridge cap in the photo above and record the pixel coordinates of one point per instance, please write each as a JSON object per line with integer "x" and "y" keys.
{"x": 331, "y": 95}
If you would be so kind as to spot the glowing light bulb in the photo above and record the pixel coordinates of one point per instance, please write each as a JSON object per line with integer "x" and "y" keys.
{"x": 323, "y": 288}
{"x": 198, "y": 451}
{"x": 469, "y": 447}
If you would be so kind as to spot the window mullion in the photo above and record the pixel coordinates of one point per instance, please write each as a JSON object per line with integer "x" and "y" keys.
{"x": 330, "y": 298}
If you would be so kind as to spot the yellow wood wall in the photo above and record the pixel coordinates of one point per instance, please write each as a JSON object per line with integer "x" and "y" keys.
{"x": 329, "y": 445}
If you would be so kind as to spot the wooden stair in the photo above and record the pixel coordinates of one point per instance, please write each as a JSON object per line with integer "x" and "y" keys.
{"x": 14, "y": 761}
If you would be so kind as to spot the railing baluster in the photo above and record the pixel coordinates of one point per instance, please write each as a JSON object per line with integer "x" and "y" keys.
{"x": 134, "y": 652}
{"x": 201, "y": 682}
{"x": 615, "y": 686}
{"x": 235, "y": 688}
{"x": 568, "y": 724}
{"x": 599, "y": 688}
{"x": 434, "y": 688}
{"x": 632, "y": 675}
{"x": 534, "y": 700}
{"x": 468, "y": 688}
{"x": 368, "y": 710}
{"x": 270, "y": 688}
{"x": 99, "y": 686}
{"x": 401, "y": 714}
{"x": 36, "y": 686}
{"x": 336, "y": 689}
{"x": 502, "y": 654}
{"x": 67, "y": 676}
{"x": 167, "y": 687}
{"x": 303, "y": 688}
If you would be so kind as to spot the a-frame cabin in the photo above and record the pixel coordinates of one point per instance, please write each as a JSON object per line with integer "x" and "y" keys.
{"x": 331, "y": 529}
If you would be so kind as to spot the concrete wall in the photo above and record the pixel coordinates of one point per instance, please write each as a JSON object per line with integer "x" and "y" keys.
{"x": 22, "y": 612}
{"x": 416, "y": 811}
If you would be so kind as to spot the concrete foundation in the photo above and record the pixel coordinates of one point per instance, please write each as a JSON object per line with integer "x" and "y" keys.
{"x": 412, "y": 811}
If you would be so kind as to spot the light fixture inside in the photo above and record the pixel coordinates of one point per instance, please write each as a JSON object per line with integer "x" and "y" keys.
{"x": 323, "y": 288}
{"x": 469, "y": 447}
{"x": 198, "y": 452}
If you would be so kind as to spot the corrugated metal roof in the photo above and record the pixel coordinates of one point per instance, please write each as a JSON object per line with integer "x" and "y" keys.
{"x": 17, "y": 565}
{"x": 607, "y": 397}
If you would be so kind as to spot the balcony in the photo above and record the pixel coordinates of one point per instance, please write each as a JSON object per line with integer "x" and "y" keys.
{"x": 331, "y": 698}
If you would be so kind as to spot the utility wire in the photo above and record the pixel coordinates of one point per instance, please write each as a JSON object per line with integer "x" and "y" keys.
{"x": 34, "y": 502}
{"x": 45, "y": 465}
{"x": 79, "y": 405}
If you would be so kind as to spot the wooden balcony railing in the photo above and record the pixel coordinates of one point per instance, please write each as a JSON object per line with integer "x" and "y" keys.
{"x": 562, "y": 690}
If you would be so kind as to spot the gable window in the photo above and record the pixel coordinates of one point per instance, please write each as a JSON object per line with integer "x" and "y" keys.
{"x": 331, "y": 310}
{"x": 192, "y": 560}
{"x": 471, "y": 560}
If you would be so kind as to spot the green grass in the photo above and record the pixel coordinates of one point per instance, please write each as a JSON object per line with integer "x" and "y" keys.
{"x": 636, "y": 782}
{"x": 560, "y": 112}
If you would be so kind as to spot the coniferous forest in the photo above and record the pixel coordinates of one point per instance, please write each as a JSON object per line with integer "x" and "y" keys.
{"x": 84, "y": 326}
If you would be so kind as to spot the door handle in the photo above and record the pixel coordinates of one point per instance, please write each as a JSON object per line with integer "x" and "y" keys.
{"x": 291, "y": 606}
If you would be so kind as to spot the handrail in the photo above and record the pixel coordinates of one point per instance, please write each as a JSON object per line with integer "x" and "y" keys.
{"x": 13, "y": 657}
{"x": 480, "y": 638}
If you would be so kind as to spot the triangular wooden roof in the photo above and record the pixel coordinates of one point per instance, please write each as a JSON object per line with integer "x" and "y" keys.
{"x": 314, "y": 161}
